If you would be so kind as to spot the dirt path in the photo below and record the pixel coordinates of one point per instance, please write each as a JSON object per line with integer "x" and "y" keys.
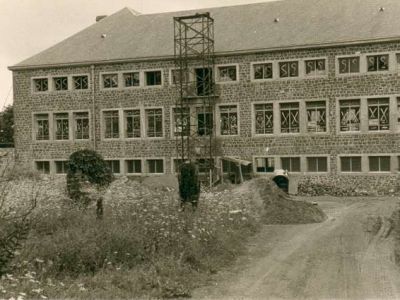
{"x": 334, "y": 259}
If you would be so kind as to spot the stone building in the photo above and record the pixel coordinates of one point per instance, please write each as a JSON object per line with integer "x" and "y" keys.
{"x": 308, "y": 86}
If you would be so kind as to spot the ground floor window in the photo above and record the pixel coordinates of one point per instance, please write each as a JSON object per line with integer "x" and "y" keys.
{"x": 291, "y": 164}
{"x": 379, "y": 163}
{"x": 265, "y": 164}
{"x": 155, "y": 166}
{"x": 114, "y": 166}
{"x": 133, "y": 166}
{"x": 43, "y": 167}
{"x": 61, "y": 166}
{"x": 317, "y": 164}
{"x": 350, "y": 164}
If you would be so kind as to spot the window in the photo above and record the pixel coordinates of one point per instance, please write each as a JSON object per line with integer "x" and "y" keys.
{"x": 350, "y": 164}
{"x": 315, "y": 67}
{"x": 264, "y": 118}
{"x": 177, "y": 164}
{"x": 316, "y": 116}
{"x": 133, "y": 166}
{"x": 378, "y": 114}
{"x": 317, "y": 164}
{"x": 42, "y": 127}
{"x": 43, "y": 167}
{"x": 154, "y": 122}
{"x": 131, "y": 79}
{"x": 61, "y": 166}
{"x": 132, "y": 123}
{"x": 378, "y": 63}
{"x": 227, "y": 73}
{"x": 204, "y": 81}
{"x": 61, "y": 124}
{"x": 204, "y": 165}
{"x": 379, "y": 163}
{"x": 81, "y": 82}
{"x": 81, "y": 125}
{"x": 41, "y": 84}
{"x": 204, "y": 120}
{"x": 289, "y": 69}
{"x": 291, "y": 164}
{"x": 349, "y": 115}
{"x": 262, "y": 71}
{"x": 110, "y": 81}
{"x": 153, "y": 78}
{"x": 155, "y": 166}
{"x": 176, "y": 76}
{"x": 111, "y": 124}
{"x": 229, "y": 120}
{"x": 265, "y": 164}
{"x": 349, "y": 65}
{"x": 290, "y": 122}
{"x": 114, "y": 166}
{"x": 60, "y": 83}
{"x": 181, "y": 121}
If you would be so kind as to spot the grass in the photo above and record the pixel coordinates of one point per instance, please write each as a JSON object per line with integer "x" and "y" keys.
{"x": 143, "y": 247}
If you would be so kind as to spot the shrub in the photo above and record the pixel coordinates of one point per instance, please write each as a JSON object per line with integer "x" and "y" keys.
{"x": 189, "y": 184}
{"x": 86, "y": 165}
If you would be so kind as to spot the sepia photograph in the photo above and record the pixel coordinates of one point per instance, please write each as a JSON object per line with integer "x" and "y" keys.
{"x": 213, "y": 149}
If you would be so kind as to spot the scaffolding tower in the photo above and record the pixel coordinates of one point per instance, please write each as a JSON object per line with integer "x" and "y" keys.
{"x": 194, "y": 79}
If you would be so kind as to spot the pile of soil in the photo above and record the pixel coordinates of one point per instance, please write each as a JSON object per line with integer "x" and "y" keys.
{"x": 279, "y": 208}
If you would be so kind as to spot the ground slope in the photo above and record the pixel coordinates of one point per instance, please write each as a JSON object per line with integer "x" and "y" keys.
{"x": 333, "y": 259}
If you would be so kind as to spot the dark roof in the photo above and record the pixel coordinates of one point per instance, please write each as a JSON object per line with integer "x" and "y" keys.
{"x": 302, "y": 23}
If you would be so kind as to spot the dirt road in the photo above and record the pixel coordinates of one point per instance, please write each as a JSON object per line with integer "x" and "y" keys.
{"x": 334, "y": 259}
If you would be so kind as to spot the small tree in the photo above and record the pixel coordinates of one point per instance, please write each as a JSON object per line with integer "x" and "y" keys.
{"x": 189, "y": 184}
{"x": 7, "y": 127}
{"x": 87, "y": 173}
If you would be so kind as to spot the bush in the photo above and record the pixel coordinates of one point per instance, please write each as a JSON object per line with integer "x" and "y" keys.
{"x": 189, "y": 184}
{"x": 86, "y": 165}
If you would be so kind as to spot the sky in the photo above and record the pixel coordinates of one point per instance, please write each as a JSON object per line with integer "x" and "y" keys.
{"x": 28, "y": 27}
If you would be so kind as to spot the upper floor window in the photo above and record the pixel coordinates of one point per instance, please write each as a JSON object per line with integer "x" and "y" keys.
{"x": 154, "y": 122}
{"x": 132, "y": 123}
{"x": 264, "y": 118}
{"x": 316, "y": 116}
{"x": 315, "y": 67}
{"x": 290, "y": 118}
{"x": 60, "y": 83}
{"x": 61, "y": 124}
{"x": 81, "y": 82}
{"x": 176, "y": 75}
{"x": 42, "y": 127}
{"x": 229, "y": 120}
{"x": 204, "y": 120}
{"x": 110, "y": 81}
{"x": 349, "y": 65}
{"x": 265, "y": 164}
{"x": 263, "y": 71}
{"x": 378, "y": 114}
{"x": 289, "y": 69}
{"x": 227, "y": 73}
{"x": 378, "y": 63}
{"x": 131, "y": 79}
{"x": 41, "y": 84}
{"x": 317, "y": 164}
{"x": 291, "y": 164}
{"x": 379, "y": 163}
{"x": 350, "y": 164}
{"x": 204, "y": 81}
{"x": 111, "y": 124}
{"x": 81, "y": 125}
{"x": 153, "y": 78}
{"x": 349, "y": 115}
{"x": 181, "y": 121}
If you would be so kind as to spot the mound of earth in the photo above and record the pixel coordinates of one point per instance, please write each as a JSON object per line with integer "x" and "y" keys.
{"x": 279, "y": 208}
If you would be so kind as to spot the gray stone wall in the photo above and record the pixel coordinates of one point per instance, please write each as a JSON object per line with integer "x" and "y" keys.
{"x": 243, "y": 93}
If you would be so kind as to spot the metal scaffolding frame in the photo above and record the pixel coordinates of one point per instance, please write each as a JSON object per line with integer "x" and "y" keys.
{"x": 194, "y": 119}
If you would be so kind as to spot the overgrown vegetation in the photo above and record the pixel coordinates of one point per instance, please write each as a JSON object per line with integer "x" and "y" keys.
{"x": 144, "y": 245}
{"x": 7, "y": 127}
{"x": 87, "y": 172}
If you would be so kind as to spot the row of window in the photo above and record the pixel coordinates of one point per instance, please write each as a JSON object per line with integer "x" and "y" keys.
{"x": 350, "y": 64}
{"x": 351, "y": 164}
{"x": 149, "y": 122}
{"x": 317, "y": 164}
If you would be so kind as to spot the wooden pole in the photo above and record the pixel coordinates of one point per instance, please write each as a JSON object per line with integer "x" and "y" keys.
{"x": 240, "y": 172}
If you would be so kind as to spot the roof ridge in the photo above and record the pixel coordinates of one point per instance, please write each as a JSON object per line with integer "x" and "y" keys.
{"x": 133, "y": 11}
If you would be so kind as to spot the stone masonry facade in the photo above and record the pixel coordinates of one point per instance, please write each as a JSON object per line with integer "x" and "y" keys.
{"x": 333, "y": 145}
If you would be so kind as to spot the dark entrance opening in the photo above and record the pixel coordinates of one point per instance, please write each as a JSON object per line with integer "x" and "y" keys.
{"x": 282, "y": 182}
